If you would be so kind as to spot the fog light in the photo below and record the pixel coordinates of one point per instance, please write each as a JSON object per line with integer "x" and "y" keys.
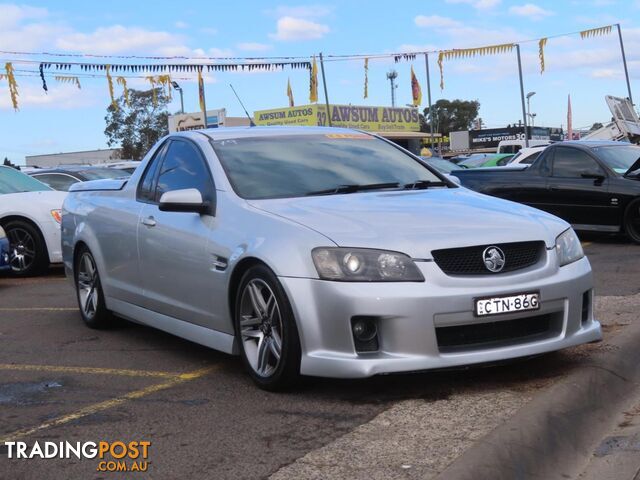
{"x": 364, "y": 330}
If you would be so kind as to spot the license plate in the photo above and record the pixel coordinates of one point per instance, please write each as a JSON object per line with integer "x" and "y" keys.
{"x": 506, "y": 304}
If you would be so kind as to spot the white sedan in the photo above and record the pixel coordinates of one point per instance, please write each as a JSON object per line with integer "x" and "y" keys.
{"x": 30, "y": 216}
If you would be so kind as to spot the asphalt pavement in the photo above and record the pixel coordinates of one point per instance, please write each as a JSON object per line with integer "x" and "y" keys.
{"x": 60, "y": 381}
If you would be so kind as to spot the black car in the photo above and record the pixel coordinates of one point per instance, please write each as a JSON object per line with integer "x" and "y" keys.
{"x": 595, "y": 186}
{"x": 62, "y": 178}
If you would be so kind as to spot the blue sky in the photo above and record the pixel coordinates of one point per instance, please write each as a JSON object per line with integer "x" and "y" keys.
{"x": 67, "y": 119}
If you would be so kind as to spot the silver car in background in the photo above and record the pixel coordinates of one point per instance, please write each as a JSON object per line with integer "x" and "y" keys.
{"x": 325, "y": 252}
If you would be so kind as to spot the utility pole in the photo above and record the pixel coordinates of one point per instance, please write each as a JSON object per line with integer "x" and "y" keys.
{"x": 524, "y": 112}
{"x": 391, "y": 76}
{"x": 426, "y": 61}
{"x": 624, "y": 62}
{"x": 326, "y": 95}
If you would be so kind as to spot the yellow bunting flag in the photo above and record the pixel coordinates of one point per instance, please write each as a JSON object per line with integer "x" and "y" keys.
{"x": 153, "y": 81}
{"x": 203, "y": 104}
{"x": 440, "y": 59}
{"x": 313, "y": 82}
{"x": 596, "y": 32}
{"x": 541, "y": 44}
{"x": 125, "y": 91}
{"x": 68, "y": 79}
{"x": 110, "y": 82}
{"x": 416, "y": 91}
{"x": 165, "y": 81}
{"x": 471, "y": 52}
{"x": 13, "y": 86}
{"x": 290, "y": 93}
{"x": 366, "y": 78}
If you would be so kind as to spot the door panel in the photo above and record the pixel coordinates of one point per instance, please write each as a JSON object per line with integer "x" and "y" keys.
{"x": 175, "y": 263}
{"x": 579, "y": 200}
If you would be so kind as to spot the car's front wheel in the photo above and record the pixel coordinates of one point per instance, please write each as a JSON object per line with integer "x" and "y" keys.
{"x": 632, "y": 221}
{"x": 27, "y": 250}
{"x": 89, "y": 292}
{"x": 266, "y": 330}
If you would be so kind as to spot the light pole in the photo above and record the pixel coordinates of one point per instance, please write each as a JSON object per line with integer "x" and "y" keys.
{"x": 177, "y": 87}
{"x": 391, "y": 76}
{"x": 529, "y": 114}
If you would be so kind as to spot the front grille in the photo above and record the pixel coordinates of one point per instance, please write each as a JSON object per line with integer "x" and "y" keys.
{"x": 494, "y": 334}
{"x": 469, "y": 260}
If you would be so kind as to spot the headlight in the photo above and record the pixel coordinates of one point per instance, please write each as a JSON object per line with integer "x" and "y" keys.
{"x": 2, "y": 234}
{"x": 364, "y": 265}
{"x": 568, "y": 247}
{"x": 57, "y": 215}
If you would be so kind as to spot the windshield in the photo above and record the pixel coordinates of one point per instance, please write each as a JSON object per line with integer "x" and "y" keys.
{"x": 443, "y": 165}
{"x": 618, "y": 158}
{"x": 101, "y": 173}
{"x": 297, "y": 165}
{"x": 13, "y": 181}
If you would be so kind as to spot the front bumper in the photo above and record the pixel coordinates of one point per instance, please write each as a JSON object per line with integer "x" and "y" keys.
{"x": 408, "y": 314}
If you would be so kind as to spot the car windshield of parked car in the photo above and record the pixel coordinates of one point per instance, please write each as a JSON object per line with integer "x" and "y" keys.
{"x": 102, "y": 173}
{"x": 13, "y": 181}
{"x": 618, "y": 158}
{"x": 297, "y": 165}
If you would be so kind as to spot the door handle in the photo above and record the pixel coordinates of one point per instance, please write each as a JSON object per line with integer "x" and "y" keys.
{"x": 149, "y": 222}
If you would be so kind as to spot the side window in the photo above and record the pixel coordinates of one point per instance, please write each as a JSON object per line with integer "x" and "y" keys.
{"x": 572, "y": 163}
{"x": 146, "y": 190}
{"x": 57, "y": 181}
{"x": 531, "y": 158}
{"x": 183, "y": 167}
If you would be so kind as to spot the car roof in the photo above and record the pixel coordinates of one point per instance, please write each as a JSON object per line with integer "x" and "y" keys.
{"x": 594, "y": 143}
{"x": 224, "y": 133}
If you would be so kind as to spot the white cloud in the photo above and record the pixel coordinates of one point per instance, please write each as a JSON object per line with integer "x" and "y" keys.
{"x": 118, "y": 39}
{"x": 304, "y": 11}
{"x": 606, "y": 73}
{"x": 530, "y": 10}
{"x": 181, "y": 24}
{"x": 478, "y": 4}
{"x": 435, "y": 21}
{"x": 209, "y": 31}
{"x": 291, "y": 28}
{"x": 253, "y": 47}
{"x": 14, "y": 14}
{"x": 58, "y": 97}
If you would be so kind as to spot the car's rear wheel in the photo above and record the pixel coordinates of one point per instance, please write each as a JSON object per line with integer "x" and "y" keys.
{"x": 27, "y": 250}
{"x": 89, "y": 292}
{"x": 632, "y": 221}
{"x": 266, "y": 330}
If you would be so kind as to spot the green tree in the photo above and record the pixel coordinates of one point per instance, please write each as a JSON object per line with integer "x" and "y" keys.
{"x": 451, "y": 115}
{"x": 136, "y": 127}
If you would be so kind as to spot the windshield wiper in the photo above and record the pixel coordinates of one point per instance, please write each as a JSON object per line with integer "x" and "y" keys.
{"x": 354, "y": 188}
{"x": 421, "y": 184}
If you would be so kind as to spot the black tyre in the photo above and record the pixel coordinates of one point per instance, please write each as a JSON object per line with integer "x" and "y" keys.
{"x": 632, "y": 221}
{"x": 89, "y": 292}
{"x": 27, "y": 249}
{"x": 266, "y": 330}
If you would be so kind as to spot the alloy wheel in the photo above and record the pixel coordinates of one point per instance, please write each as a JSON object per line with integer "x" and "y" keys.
{"x": 87, "y": 285}
{"x": 22, "y": 247}
{"x": 634, "y": 222}
{"x": 261, "y": 327}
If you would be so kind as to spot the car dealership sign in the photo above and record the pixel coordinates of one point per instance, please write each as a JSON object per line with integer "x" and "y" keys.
{"x": 374, "y": 119}
{"x": 491, "y": 137}
{"x": 195, "y": 120}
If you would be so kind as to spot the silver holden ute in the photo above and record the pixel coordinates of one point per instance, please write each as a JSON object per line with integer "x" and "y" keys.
{"x": 325, "y": 252}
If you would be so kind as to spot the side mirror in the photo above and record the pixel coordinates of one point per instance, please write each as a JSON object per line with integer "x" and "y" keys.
{"x": 453, "y": 178}
{"x": 186, "y": 200}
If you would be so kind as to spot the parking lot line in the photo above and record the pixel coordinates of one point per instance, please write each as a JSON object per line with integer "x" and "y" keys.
{"x": 38, "y": 309}
{"x": 112, "y": 403}
{"x": 87, "y": 370}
